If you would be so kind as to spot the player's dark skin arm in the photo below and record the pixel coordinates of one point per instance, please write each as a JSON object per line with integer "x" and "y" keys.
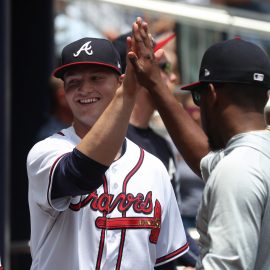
{"x": 188, "y": 137}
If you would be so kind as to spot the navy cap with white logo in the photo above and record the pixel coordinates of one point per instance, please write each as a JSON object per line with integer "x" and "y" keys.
{"x": 233, "y": 61}
{"x": 89, "y": 51}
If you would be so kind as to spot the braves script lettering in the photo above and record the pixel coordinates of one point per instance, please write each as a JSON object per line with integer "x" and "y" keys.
{"x": 107, "y": 203}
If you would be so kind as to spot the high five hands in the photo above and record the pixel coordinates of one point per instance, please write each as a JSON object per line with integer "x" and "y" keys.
{"x": 142, "y": 56}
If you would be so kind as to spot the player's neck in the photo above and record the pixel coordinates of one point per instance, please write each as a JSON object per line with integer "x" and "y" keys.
{"x": 242, "y": 123}
{"x": 80, "y": 129}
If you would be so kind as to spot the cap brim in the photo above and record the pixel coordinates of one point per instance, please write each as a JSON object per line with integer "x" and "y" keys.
{"x": 193, "y": 86}
{"x": 60, "y": 71}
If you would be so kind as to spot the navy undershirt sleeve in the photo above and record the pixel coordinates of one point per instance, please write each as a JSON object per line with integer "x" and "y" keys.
{"x": 76, "y": 174}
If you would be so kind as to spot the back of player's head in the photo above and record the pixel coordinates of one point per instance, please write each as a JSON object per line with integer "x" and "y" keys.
{"x": 233, "y": 61}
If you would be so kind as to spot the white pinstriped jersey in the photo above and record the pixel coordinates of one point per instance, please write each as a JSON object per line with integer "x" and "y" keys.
{"x": 132, "y": 220}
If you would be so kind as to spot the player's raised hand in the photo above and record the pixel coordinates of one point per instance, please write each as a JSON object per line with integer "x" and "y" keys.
{"x": 142, "y": 56}
{"x": 130, "y": 82}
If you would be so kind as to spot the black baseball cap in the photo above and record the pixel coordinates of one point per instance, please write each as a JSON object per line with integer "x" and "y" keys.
{"x": 88, "y": 51}
{"x": 233, "y": 61}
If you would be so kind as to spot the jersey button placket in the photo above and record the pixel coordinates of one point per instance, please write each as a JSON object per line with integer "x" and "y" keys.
{"x": 112, "y": 236}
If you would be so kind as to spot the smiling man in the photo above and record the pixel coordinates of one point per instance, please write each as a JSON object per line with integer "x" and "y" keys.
{"x": 94, "y": 201}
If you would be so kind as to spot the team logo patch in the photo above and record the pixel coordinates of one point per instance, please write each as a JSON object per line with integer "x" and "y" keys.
{"x": 86, "y": 47}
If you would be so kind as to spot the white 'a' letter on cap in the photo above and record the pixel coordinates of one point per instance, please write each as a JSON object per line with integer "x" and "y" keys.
{"x": 86, "y": 47}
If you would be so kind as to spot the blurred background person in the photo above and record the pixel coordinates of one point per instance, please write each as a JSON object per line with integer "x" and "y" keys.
{"x": 143, "y": 134}
{"x": 59, "y": 115}
{"x": 189, "y": 184}
{"x": 139, "y": 129}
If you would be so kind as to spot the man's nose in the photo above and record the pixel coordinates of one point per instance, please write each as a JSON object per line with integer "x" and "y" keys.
{"x": 86, "y": 86}
{"x": 173, "y": 77}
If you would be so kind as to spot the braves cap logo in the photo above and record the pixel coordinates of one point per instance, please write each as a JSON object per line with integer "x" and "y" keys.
{"x": 86, "y": 47}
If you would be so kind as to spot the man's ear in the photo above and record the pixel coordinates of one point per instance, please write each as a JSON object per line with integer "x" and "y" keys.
{"x": 212, "y": 94}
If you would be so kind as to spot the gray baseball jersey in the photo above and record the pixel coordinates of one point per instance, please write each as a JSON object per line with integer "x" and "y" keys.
{"x": 233, "y": 220}
{"x": 130, "y": 221}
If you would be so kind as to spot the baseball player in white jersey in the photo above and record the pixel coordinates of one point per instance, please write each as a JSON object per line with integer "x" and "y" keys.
{"x": 233, "y": 219}
{"x": 97, "y": 200}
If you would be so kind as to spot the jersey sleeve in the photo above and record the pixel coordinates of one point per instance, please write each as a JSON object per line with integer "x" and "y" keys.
{"x": 76, "y": 174}
{"x": 41, "y": 162}
{"x": 237, "y": 194}
{"x": 172, "y": 241}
